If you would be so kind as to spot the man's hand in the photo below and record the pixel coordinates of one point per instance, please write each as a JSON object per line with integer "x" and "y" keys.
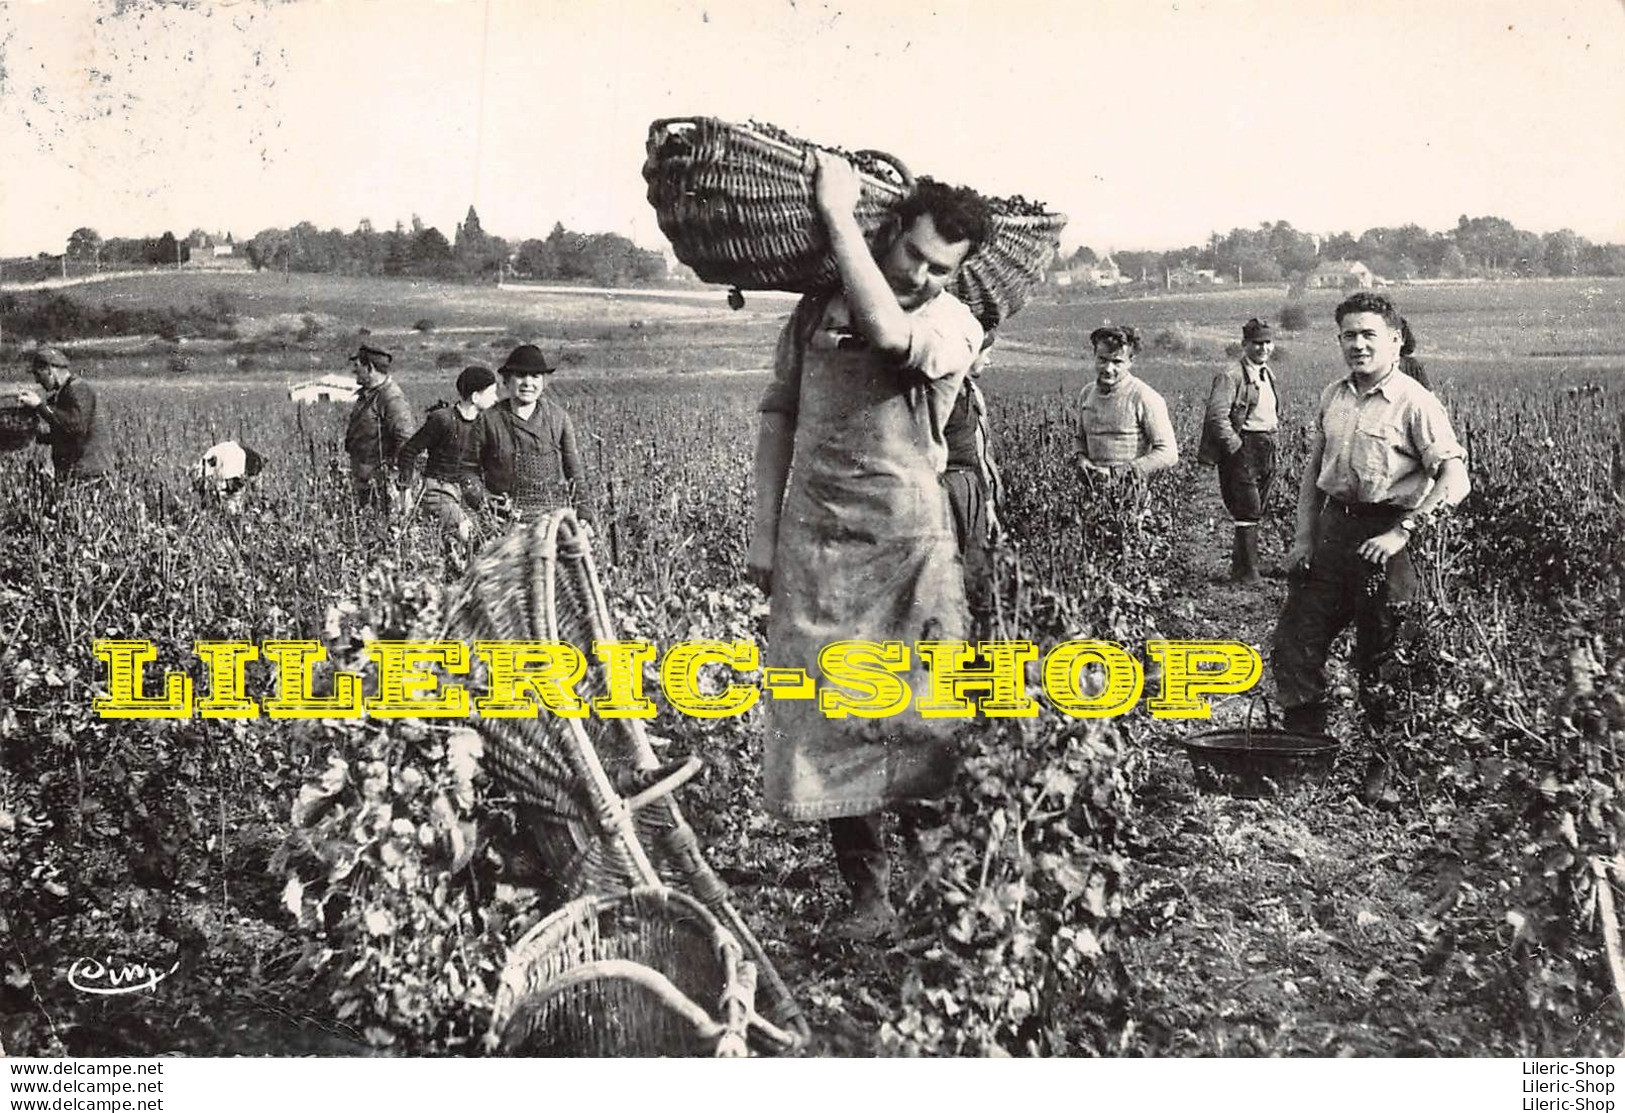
{"x": 836, "y": 188}
{"x": 1296, "y": 561}
{"x": 759, "y": 564}
{"x": 29, "y": 398}
{"x": 1378, "y": 549}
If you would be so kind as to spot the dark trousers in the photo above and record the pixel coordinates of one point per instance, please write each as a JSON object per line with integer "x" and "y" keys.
{"x": 1245, "y": 477}
{"x": 1341, "y": 588}
{"x": 968, "y": 499}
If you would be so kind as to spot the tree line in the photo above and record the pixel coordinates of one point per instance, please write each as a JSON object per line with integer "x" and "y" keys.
{"x": 1478, "y": 247}
{"x": 415, "y": 250}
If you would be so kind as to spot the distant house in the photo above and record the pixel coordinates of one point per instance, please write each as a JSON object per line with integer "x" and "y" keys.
{"x": 1102, "y": 273}
{"x": 1187, "y": 275}
{"x": 1338, "y": 274}
{"x": 215, "y": 253}
{"x": 328, "y": 388}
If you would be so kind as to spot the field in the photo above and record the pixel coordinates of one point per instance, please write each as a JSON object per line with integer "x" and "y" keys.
{"x": 1076, "y": 894}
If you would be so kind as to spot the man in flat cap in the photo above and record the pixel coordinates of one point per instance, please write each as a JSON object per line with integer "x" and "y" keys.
{"x": 380, "y": 423}
{"x": 1238, "y": 435}
{"x": 81, "y": 451}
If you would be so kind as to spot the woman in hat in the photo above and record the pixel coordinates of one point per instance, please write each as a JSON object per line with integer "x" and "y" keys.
{"x": 451, "y": 476}
{"x": 526, "y": 443}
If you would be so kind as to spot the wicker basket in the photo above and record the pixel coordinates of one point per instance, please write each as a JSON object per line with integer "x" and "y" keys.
{"x": 736, "y": 203}
{"x": 645, "y": 972}
{"x": 19, "y": 426}
{"x": 595, "y": 798}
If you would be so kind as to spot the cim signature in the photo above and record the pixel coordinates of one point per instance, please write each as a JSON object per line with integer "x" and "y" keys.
{"x": 109, "y": 979}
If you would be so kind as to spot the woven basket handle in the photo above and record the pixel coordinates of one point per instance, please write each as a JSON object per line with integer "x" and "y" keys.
{"x": 904, "y": 175}
{"x": 618, "y": 969}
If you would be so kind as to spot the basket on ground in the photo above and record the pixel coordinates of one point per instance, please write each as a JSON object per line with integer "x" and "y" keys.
{"x": 595, "y": 799}
{"x": 19, "y": 426}
{"x": 1260, "y": 761}
{"x": 645, "y": 972}
{"x": 736, "y": 202}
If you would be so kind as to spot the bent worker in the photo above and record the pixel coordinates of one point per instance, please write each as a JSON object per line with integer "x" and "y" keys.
{"x": 1238, "y": 435}
{"x": 380, "y": 423}
{"x": 452, "y": 489}
{"x": 71, "y": 420}
{"x": 1382, "y": 463}
{"x": 859, "y": 544}
{"x": 1123, "y": 424}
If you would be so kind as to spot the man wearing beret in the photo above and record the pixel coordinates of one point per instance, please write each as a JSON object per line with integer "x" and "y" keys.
{"x": 1238, "y": 435}
{"x": 380, "y": 423}
{"x": 81, "y": 451}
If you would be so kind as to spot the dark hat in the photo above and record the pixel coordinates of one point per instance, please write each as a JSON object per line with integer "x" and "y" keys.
{"x": 527, "y": 359}
{"x": 1257, "y": 330}
{"x": 372, "y": 357}
{"x": 47, "y": 357}
{"x": 475, "y": 379}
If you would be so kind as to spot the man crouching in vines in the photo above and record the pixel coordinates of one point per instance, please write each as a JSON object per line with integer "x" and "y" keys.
{"x": 1383, "y": 461}
{"x": 859, "y": 544}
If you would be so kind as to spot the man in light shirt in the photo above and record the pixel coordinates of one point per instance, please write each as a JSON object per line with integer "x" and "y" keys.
{"x": 1383, "y": 461}
{"x": 1238, "y": 435}
{"x": 856, "y": 540}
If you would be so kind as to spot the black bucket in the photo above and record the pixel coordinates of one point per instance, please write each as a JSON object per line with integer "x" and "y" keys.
{"x": 1256, "y": 762}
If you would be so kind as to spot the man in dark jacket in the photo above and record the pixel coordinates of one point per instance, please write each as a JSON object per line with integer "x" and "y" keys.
{"x": 1238, "y": 434}
{"x": 380, "y": 423}
{"x": 81, "y": 451}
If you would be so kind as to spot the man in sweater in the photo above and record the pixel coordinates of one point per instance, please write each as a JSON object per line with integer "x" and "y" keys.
{"x": 1123, "y": 424}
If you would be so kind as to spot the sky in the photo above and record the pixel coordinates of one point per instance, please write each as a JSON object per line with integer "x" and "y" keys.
{"x": 1152, "y": 124}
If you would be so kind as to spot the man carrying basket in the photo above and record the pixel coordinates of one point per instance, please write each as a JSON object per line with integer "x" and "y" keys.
{"x": 856, "y": 541}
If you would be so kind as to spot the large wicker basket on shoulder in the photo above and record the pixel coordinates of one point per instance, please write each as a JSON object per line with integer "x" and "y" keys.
{"x": 594, "y": 796}
{"x": 646, "y": 972}
{"x": 736, "y": 202}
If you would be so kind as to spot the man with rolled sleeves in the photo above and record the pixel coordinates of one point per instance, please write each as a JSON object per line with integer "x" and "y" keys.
{"x": 1238, "y": 435}
{"x": 81, "y": 451}
{"x": 1383, "y": 462}
{"x": 855, "y": 541}
{"x": 380, "y": 423}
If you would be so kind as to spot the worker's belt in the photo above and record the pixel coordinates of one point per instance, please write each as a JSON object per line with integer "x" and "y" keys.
{"x": 1365, "y": 509}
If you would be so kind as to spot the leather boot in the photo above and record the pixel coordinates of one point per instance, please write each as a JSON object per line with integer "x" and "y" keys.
{"x": 860, "y": 855}
{"x": 1244, "y": 558}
